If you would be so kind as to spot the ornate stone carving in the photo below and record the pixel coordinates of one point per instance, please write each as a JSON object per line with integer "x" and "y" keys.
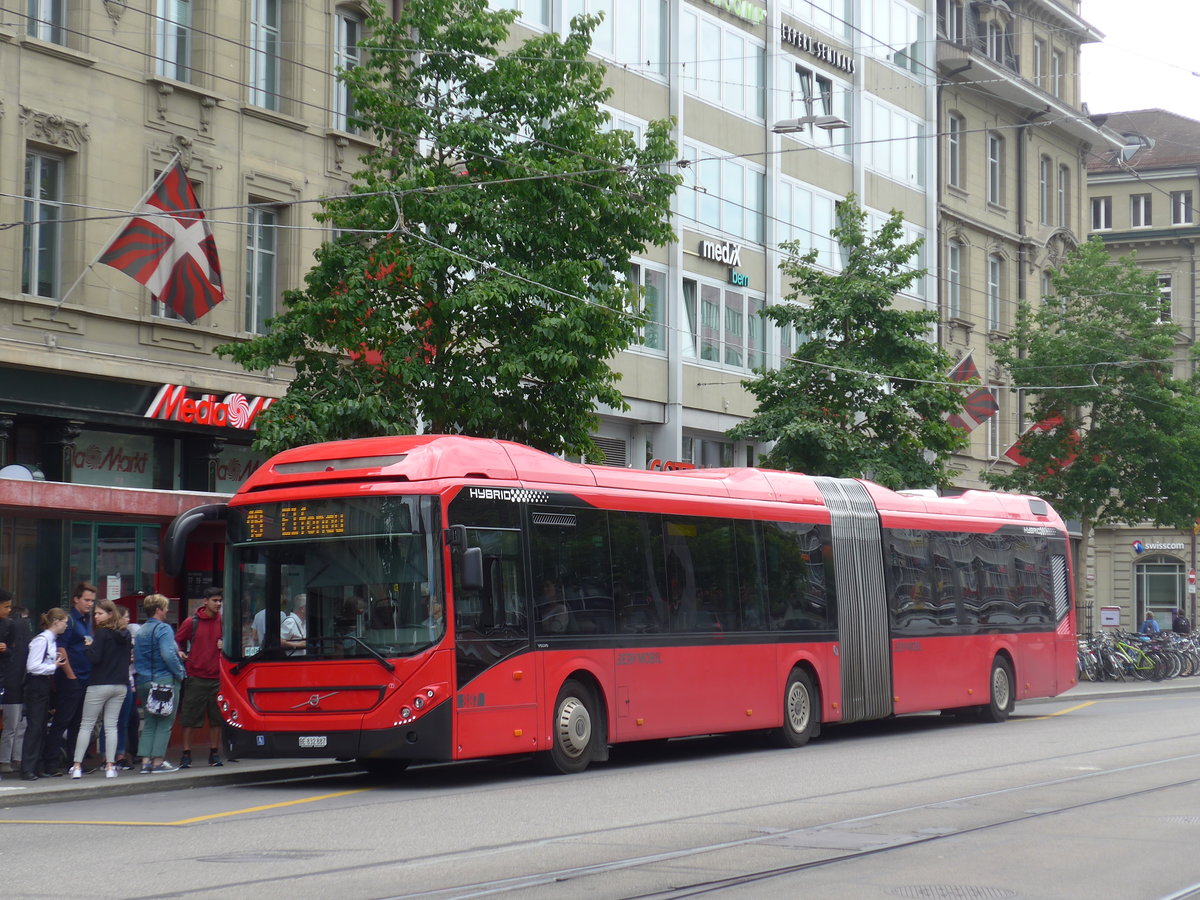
{"x": 115, "y": 9}
{"x": 207, "y": 105}
{"x": 58, "y": 131}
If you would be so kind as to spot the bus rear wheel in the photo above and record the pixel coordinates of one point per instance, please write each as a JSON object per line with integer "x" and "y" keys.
{"x": 574, "y": 731}
{"x": 1000, "y": 687}
{"x": 801, "y": 710}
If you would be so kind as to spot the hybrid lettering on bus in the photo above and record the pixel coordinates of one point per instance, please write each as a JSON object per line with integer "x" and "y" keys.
{"x": 462, "y": 598}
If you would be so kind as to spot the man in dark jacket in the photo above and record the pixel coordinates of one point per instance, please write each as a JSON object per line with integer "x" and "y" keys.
{"x": 200, "y": 645}
{"x": 71, "y": 680}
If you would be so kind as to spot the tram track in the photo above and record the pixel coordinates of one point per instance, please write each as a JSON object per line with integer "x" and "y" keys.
{"x": 562, "y": 876}
{"x": 712, "y": 886}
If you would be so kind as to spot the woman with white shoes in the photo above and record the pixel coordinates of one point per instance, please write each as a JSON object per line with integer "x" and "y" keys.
{"x": 109, "y": 653}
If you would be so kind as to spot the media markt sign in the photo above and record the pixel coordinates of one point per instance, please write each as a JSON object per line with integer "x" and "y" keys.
{"x": 234, "y": 411}
{"x": 743, "y": 9}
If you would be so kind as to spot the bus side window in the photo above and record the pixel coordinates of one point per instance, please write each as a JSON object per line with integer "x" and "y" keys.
{"x": 637, "y": 558}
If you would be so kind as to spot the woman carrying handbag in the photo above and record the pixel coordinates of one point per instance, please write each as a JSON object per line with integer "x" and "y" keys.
{"x": 159, "y": 675}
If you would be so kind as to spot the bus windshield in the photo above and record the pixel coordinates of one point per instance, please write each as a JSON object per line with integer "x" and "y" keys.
{"x": 339, "y": 578}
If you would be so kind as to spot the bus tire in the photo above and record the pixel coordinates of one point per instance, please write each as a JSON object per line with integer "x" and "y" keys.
{"x": 1001, "y": 690}
{"x": 383, "y": 769}
{"x": 801, "y": 710}
{"x": 574, "y": 731}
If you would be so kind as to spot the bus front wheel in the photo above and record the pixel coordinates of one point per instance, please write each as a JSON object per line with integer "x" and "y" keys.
{"x": 801, "y": 710}
{"x": 574, "y": 731}
{"x": 1000, "y": 687}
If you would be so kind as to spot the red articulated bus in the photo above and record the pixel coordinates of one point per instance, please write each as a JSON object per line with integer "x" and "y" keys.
{"x": 444, "y": 598}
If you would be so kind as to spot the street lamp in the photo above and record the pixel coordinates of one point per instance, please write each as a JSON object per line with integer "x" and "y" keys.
{"x": 790, "y": 126}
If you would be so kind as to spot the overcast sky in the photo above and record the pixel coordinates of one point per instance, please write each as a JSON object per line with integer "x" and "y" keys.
{"x": 1149, "y": 58}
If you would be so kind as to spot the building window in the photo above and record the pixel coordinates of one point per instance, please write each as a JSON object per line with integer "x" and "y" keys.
{"x": 1058, "y": 64}
{"x": 174, "y": 39}
{"x": 533, "y": 12}
{"x": 995, "y": 169}
{"x": 831, "y": 16}
{"x": 1181, "y": 207}
{"x": 952, "y": 21}
{"x": 895, "y": 142}
{"x": 632, "y": 32}
{"x": 1139, "y": 211}
{"x": 897, "y": 29}
{"x": 955, "y": 127}
{"x": 1044, "y": 188}
{"x": 954, "y": 253}
{"x": 727, "y": 327}
{"x": 812, "y": 93}
{"x": 723, "y": 194}
{"x": 653, "y": 326}
{"x": 993, "y": 426}
{"x": 730, "y": 65}
{"x": 1159, "y": 587}
{"x": 1039, "y": 62}
{"x": 348, "y": 27}
{"x": 994, "y": 36}
{"x": 995, "y": 274}
{"x": 1164, "y": 298}
{"x": 806, "y": 215}
{"x": 262, "y": 262}
{"x": 42, "y": 238}
{"x": 47, "y": 20}
{"x": 264, "y": 53}
{"x": 1064, "y": 196}
{"x": 1101, "y": 213}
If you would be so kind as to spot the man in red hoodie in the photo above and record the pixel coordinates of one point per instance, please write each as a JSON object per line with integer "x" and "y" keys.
{"x": 200, "y": 644}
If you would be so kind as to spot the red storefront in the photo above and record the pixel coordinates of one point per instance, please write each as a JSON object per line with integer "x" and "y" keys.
{"x": 92, "y": 471}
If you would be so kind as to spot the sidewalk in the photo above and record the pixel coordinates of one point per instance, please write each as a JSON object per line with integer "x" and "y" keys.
{"x": 15, "y": 793}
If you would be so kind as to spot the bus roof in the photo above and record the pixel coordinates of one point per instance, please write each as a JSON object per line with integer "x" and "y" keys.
{"x": 418, "y": 458}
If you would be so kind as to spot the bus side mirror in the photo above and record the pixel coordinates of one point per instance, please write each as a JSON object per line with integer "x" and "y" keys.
{"x": 456, "y": 536}
{"x": 472, "y": 569}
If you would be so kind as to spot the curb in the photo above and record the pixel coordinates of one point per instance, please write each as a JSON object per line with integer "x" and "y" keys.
{"x": 64, "y": 790}
{"x": 1092, "y": 690}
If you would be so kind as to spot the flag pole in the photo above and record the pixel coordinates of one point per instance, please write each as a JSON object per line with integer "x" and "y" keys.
{"x": 103, "y": 247}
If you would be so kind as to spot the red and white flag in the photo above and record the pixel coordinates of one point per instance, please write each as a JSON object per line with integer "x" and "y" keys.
{"x": 979, "y": 405}
{"x": 169, "y": 248}
{"x": 1047, "y": 424}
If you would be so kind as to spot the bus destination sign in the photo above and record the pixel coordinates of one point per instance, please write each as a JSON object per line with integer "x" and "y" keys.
{"x": 292, "y": 521}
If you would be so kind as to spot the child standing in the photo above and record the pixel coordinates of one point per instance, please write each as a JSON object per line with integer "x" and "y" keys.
{"x": 44, "y": 658}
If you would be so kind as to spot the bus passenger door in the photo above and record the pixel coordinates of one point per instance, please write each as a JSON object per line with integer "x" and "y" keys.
{"x": 495, "y": 684}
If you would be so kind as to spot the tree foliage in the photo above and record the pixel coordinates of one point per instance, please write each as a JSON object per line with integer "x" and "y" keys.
{"x": 477, "y": 280}
{"x": 1116, "y": 434}
{"x": 865, "y": 393}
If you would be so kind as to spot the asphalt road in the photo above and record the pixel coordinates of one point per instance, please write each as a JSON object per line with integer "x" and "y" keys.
{"x": 1095, "y": 794}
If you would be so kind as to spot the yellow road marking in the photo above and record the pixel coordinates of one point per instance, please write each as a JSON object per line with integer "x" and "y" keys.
{"x": 181, "y": 822}
{"x": 1062, "y": 712}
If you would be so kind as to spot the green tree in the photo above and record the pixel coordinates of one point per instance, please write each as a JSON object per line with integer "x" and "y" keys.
{"x": 865, "y": 393}
{"x": 477, "y": 281}
{"x": 1116, "y": 435}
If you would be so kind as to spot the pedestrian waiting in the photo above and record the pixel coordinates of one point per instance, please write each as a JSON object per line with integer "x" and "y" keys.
{"x": 1149, "y": 625}
{"x": 45, "y": 657}
{"x": 108, "y": 653}
{"x": 159, "y": 675}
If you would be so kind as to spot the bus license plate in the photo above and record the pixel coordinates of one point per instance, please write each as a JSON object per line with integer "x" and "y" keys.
{"x": 314, "y": 741}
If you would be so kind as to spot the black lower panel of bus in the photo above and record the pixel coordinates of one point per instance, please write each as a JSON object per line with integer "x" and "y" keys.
{"x": 426, "y": 738}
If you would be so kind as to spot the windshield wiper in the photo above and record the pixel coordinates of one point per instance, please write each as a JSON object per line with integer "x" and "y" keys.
{"x": 383, "y": 660}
